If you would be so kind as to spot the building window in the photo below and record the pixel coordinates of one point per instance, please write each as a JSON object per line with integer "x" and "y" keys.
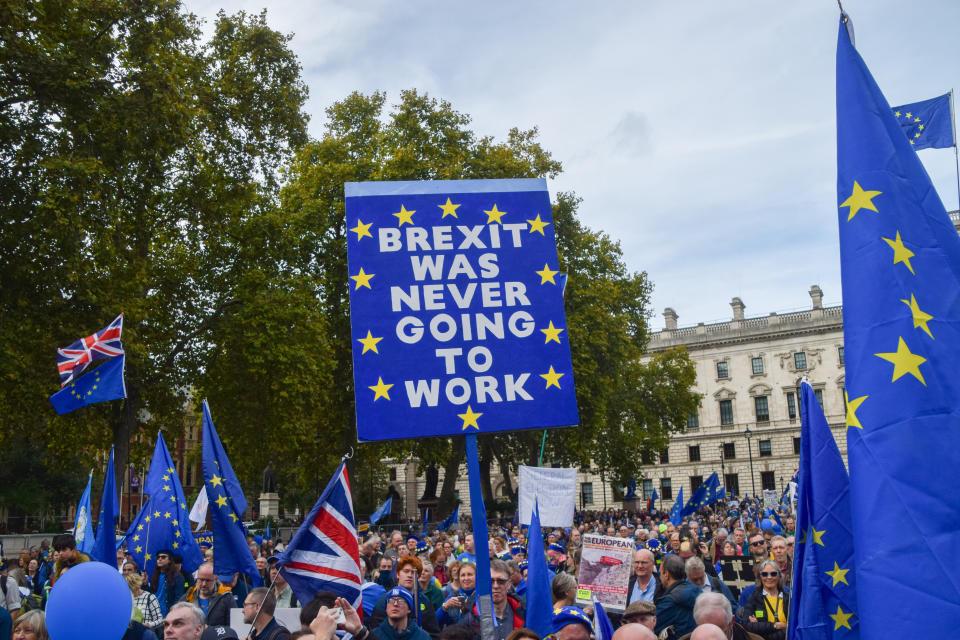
{"x": 762, "y": 406}
{"x": 819, "y": 394}
{"x": 800, "y": 360}
{"x": 666, "y": 489}
{"x": 722, "y": 370}
{"x": 757, "y": 364}
{"x": 768, "y": 481}
{"x": 796, "y": 446}
{"x": 695, "y": 482}
{"x": 732, "y": 482}
{"x": 765, "y": 449}
{"x": 647, "y": 488}
{"x": 726, "y": 412}
{"x": 586, "y": 491}
{"x": 840, "y": 354}
{"x": 665, "y": 456}
{"x": 189, "y": 477}
{"x": 646, "y": 457}
{"x": 729, "y": 451}
{"x": 393, "y": 475}
{"x": 693, "y": 421}
{"x": 694, "y": 453}
{"x": 792, "y": 405}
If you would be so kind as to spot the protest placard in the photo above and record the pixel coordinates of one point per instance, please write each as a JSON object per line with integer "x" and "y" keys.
{"x": 605, "y": 566}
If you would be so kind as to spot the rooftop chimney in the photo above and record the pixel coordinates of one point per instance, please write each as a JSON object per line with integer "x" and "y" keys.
{"x": 817, "y": 296}
{"x": 670, "y": 317}
{"x": 738, "y": 308}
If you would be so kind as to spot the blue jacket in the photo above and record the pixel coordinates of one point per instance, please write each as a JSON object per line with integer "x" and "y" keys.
{"x": 387, "y": 632}
{"x": 675, "y": 607}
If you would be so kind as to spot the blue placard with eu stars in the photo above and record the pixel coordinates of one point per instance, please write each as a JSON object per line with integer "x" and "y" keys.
{"x": 456, "y": 309}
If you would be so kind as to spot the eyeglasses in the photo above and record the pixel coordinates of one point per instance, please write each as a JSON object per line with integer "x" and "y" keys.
{"x": 499, "y": 580}
{"x": 396, "y": 601}
{"x": 756, "y": 542}
{"x": 769, "y": 574}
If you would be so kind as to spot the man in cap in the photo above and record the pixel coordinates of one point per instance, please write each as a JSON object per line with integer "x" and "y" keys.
{"x": 570, "y": 623}
{"x": 640, "y": 612}
{"x": 408, "y": 572}
{"x": 398, "y": 624}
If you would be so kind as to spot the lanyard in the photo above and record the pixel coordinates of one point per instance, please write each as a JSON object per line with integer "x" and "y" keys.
{"x": 776, "y": 611}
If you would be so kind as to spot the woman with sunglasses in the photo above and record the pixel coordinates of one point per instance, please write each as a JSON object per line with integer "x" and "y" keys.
{"x": 768, "y": 606}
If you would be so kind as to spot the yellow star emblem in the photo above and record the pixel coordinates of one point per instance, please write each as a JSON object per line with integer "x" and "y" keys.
{"x": 166, "y": 487}
{"x": 369, "y": 343}
{"x": 546, "y": 275}
{"x": 537, "y": 225}
{"x": 165, "y": 478}
{"x": 900, "y": 252}
{"x": 896, "y": 113}
{"x": 552, "y": 333}
{"x": 167, "y": 515}
{"x": 176, "y": 524}
{"x": 449, "y": 209}
{"x": 215, "y": 481}
{"x": 405, "y": 216}
{"x": 173, "y": 498}
{"x": 552, "y": 378}
{"x": 469, "y": 419}
{"x": 904, "y": 362}
{"x": 146, "y": 519}
{"x": 841, "y": 618}
{"x": 852, "y": 406}
{"x": 818, "y": 536}
{"x": 494, "y": 215}
{"x": 221, "y": 501}
{"x": 362, "y": 279}
{"x": 860, "y": 199}
{"x": 920, "y": 318}
{"x": 909, "y": 115}
{"x": 234, "y": 516}
{"x": 362, "y": 229}
{"x": 156, "y": 514}
{"x": 176, "y": 544}
{"x": 380, "y": 390}
{"x": 171, "y": 470}
{"x": 136, "y": 537}
{"x": 139, "y": 527}
{"x": 916, "y": 119}
{"x": 176, "y": 533}
{"x": 839, "y": 575}
{"x": 147, "y": 557}
{"x": 138, "y": 549}
{"x": 920, "y": 127}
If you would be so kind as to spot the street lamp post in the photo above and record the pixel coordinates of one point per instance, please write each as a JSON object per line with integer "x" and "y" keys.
{"x": 753, "y": 478}
{"x": 723, "y": 472}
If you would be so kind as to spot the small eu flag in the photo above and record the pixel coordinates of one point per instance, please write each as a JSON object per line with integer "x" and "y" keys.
{"x": 83, "y": 523}
{"x": 900, "y": 268}
{"x": 102, "y": 384}
{"x": 676, "y": 514}
{"x": 928, "y": 124}
{"x": 105, "y": 549}
{"x": 382, "y": 510}
{"x": 539, "y": 598}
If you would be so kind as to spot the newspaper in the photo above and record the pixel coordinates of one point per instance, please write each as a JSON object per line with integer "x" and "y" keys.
{"x": 605, "y": 567}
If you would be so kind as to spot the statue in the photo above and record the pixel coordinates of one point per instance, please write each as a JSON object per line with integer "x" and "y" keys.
{"x": 269, "y": 479}
{"x": 430, "y": 485}
{"x": 631, "y": 490}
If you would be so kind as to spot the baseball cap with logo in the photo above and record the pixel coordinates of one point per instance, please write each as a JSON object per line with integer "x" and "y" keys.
{"x": 218, "y": 633}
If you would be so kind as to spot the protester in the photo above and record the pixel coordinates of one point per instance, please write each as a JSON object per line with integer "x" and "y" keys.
{"x": 144, "y": 601}
{"x": 399, "y": 622}
{"x": 429, "y": 586}
{"x": 768, "y": 606}
{"x": 9, "y": 594}
{"x": 453, "y": 580}
{"x": 408, "y": 569}
{"x": 564, "y": 590}
{"x": 675, "y": 606}
{"x": 634, "y": 631}
{"x": 282, "y": 591}
{"x": 31, "y": 626}
{"x": 213, "y": 598}
{"x": 697, "y": 575}
{"x": 460, "y": 601}
{"x": 184, "y": 621}
{"x": 258, "y": 609}
{"x": 570, "y": 623}
{"x": 779, "y": 554}
{"x": 643, "y": 584}
{"x": 67, "y": 555}
{"x": 640, "y": 612}
{"x": 509, "y": 612}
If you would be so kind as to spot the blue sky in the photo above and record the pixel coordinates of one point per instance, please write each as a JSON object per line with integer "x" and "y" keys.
{"x": 700, "y": 134}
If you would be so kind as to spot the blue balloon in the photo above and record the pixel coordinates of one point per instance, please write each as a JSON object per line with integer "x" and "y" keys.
{"x": 766, "y": 524}
{"x": 258, "y": 539}
{"x": 91, "y": 601}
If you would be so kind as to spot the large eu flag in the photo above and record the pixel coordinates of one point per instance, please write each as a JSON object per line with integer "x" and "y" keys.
{"x": 928, "y": 123}
{"x": 900, "y": 264}
{"x": 100, "y": 385}
{"x": 824, "y": 603}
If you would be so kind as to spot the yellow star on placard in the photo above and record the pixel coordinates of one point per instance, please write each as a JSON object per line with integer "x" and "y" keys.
{"x": 546, "y": 274}
{"x": 852, "y": 406}
{"x": 449, "y": 209}
{"x": 860, "y": 199}
{"x": 841, "y": 618}
{"x": 904, "y": 362}
{"x": 551, "y": 333}
{"x": 900, "y": 252}
{"x": 215, "y": 480}
{"x": 537, "y": 225}
{"x": 920, "y": 318}
{"x": 362, "y": 229}
{"x": 380, "y": 390}
{"x": 839, "y": 575}
{"x": 469, "y": 419}
{"x": 405, "y": 216}
{"x": 494, "y": 215}
{"x": 818, "y": 536}
{"x": 369, "y": 343}
{"x": 552, "y": 378}
{"x": 362, "y": 279}
{"x": 221, "y": 501}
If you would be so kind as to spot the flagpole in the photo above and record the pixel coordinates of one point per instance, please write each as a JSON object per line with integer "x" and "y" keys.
{"x": 478, "y": 514}
{"x": 260, "y": 606}
{"x": 956, "y": 154}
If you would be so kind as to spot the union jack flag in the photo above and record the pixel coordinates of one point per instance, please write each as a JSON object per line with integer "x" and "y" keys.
{"x": 72, "y": 360}
{"x": 324, "y": 553}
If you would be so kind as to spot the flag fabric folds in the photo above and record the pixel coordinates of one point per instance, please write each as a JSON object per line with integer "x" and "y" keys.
{"x": 227, "y": 504}
{"x": 198, "y": 512}
{"x": 652, "y": 500}
{"x": 72, "y": 360}
{"x": 450, "y": 520}
{"x": 824, "y": 602}
{"x": 929, "y": 123}
{"x": 323, "y": 554}
{"x": 105, "y": 547}
{"x": 900, "y": 269}
{"x": 382, "y": 510}
{"x": 426, "y": 517}
{"x": 82, "y": 523}
{"x": 102, "y": 384}
{"x": 602, "y": 627}
{"x": 676, "y": 515}
{"x": 163, "y": 522}
{"x": 706, "y": 494}
{"x": 539, "y": 597}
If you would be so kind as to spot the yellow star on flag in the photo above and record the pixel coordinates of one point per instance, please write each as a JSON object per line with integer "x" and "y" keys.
{"x": 909, "y": 115}
{"x": 380, "y": 390}
{"x": 146, "y": 519}
{"x": 215, "y": 480}
{"x": 167, "y": 515}
{"x": 449, "y": 209}
{"x": 552, "y": 378}
{"x": 176, "y": 533}
{"x": 904, "y": 362}
{"x": 469, "y": 419}
{"x": 234, "y": 516}
{"x": 839, "y": 575}
{"x": 551, "y": 333}
{"x": 818, "y": 536}
{"x": 136, "y": 537}
{"x": 362, "y": 279}
{"x": 405, "y": 216}
{"x": 362, "y": 229}
{"x": 221, "y": 501}
{"x": 147, "y": 557}
{"x": 173, "y": 498}
{"x": 920, "y": 318}
{"x": 896, "y": 113}
{"x": 139, "y": 527}
{"x": 176, "y": 524}
{"x": 494, "y": 215}
{"x": 841, "y": 618}
{"x": 166, "y": 487}
{"x": 900, "y": 252}
{"x": 369, "y": 343}
{"x": 546, "y": 275}
{"x": 537, "y": 225}
{"x": 138, "y": 549}
{"x": 852, "y": 406}
{"x": 171, "y": 470}
{"x": 860, "y": 199}
{"x": 165, "y": 478}
{"x": 175, "y": 545}
{"x": 156, "y": 514}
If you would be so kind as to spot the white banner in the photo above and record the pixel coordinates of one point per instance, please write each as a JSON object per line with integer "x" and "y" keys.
{"x": 556, "y": 491}
{"x": 198, "y": 513}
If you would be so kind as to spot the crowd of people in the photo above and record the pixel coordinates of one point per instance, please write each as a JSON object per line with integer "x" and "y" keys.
{"x": 423, "y": 587}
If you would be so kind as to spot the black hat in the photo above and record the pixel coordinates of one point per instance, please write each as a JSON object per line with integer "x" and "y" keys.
{"x": 218, "y": 633}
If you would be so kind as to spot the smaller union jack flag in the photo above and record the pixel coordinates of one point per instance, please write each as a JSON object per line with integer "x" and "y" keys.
{"x": 72, "y": 360}
{"x": 324, "y": 553}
